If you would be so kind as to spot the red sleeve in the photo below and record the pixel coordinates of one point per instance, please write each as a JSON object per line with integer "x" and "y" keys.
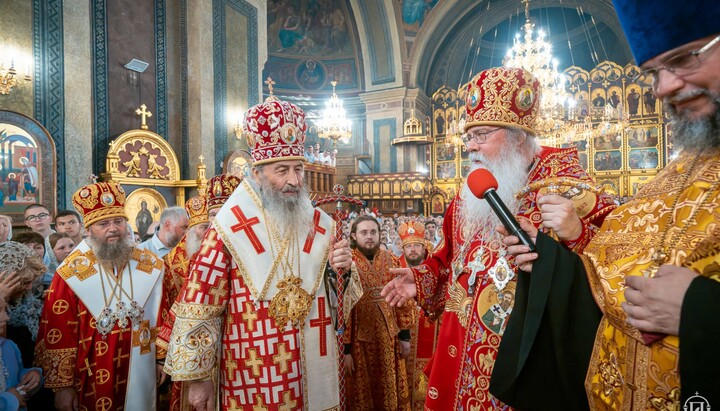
{"x": 56, "y": 348}
{"x": 431, "y": 277}
{"x": 207, "y": 281}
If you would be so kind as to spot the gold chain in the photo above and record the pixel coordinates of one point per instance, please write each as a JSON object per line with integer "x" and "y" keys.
{"x": 118, "y": 284}
{"x": 660, "y": 255}
{"x": 277, "y": 258}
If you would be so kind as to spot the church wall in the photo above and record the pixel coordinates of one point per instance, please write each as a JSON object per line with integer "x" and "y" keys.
{"x": 237, "y": 70}
{"x": 78, "y": 127}
{"x": 379, "y": 48}
{"x": 81, "y": 93}
{"x": 16, "y": 23}
{"x": 231, "y": 20}
{"x": 175, "y": 46}
{"x": 131, "y": 34}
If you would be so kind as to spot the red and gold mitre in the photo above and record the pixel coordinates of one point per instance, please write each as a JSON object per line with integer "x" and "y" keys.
{"x": 275, "y": 130}
{"x": 219, "y": 189}
{"x": 196, "y": 208}
{"x": 99, "y": 201}
{"x": 503, "y": 96}
{"x": 412, "y": 232}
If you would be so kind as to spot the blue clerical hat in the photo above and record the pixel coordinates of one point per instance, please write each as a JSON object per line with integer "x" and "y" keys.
{"x": 653, "y": 27}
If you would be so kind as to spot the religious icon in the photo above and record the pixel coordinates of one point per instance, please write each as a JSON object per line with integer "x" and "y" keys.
{"x": 27, "y": 168}
{"x": 644, "y": 158}
{"x": 438, "y": 206}
{"x": 608, "y": 160}
{"x": 496, "y": 307}
{"x": 143, "y": 207}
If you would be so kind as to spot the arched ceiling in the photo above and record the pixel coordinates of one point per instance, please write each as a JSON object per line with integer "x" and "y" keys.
{"x": 379, "y": 44}
{"x": 483, "y": 31}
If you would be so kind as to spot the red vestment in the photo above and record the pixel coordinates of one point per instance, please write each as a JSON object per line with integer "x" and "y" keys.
{"x": 177, "y": 266}
{"x": 424, "y": 333}
{"x": 74, "y": 354}
{"x": 235, "y": 312}
{"x": 379, "y": 381}
{"x": 473, "y": 323}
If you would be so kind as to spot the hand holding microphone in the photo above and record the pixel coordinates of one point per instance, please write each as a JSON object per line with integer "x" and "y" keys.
{"x": 484, "y": 185}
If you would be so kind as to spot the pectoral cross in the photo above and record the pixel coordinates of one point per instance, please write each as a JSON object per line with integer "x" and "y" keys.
{"x": 144, "y": 114}
{"x": 475, "y": 265}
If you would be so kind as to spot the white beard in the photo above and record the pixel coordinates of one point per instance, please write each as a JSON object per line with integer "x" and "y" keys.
{"x": 511, "y": 172}
{"x": 286, "y": 213}
{"x": 193, "y": 240}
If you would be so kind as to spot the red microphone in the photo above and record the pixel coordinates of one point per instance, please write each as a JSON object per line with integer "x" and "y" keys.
{"x": 483, "y": 185}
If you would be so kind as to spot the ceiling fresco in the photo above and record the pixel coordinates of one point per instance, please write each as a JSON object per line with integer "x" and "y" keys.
{"x": 310, "y": 44}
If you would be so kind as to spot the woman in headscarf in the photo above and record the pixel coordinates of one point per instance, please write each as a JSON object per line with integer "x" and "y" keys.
{"x": 5, "y": 228}
{"x": 21, "y": 266}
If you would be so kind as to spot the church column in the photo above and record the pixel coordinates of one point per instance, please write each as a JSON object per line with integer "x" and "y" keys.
{"x": 77, "y": 35}
{"x": 201, "y": 105}
{"x": 386, "y": 111}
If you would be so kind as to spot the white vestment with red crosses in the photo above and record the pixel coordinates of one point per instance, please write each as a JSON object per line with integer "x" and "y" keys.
{"x": 222, "y": 313}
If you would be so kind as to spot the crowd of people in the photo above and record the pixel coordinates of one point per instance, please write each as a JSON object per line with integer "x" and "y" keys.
{"x": 249, "y": 297}
{"x": 313, "y": 155}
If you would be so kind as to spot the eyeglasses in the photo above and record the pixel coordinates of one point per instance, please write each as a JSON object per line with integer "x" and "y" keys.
{"x": 478, "y": 137}
{"x": 680, "y": 64}
{"x": 117, "y": 222}
{"x": 40, "y": 216}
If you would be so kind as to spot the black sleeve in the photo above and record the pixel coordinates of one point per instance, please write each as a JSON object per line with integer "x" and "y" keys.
{"x": 546, "y": 347}
{"x": 700, "y": 341}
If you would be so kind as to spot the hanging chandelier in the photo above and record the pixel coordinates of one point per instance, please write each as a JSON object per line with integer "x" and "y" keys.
{"x": 334, "y": 125}
{"x": 535, "y": 56}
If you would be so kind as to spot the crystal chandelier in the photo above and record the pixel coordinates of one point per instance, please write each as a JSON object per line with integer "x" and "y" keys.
{"x": 535, "y": 56}
{"x": 334, "y": 125}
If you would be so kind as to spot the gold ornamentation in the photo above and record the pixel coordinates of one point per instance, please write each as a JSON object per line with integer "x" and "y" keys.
{"x": 101, "y": 347}
{"x": 254, "y": 362}
{"x": 459, "y": 303}
{"x": 291, "y": 303}
{"x": 433, "y": 393}
{"x": 144, "y": 114}
{"x": 193, "y": 347}
{"x": 661, "y": 254}
{"x": 60, "y": 306}
{"x": 59, "y": 366}
{"x": 671, "y": 403}
{"x": 452, "y": 351}
{"x": 144, "y": 336}
{"x": 610, "y": 375}
{"x": 102, "y": 376}
{"x": 54, "y": 336}
{"x": 147, "y": 261}
{"x": 282, "y": 358}
{"x": 103, "y": 404}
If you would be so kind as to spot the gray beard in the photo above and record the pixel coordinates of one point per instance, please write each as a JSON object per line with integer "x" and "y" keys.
{"x": 511, "y": 172}
{"x": 117, "y": 253}
{"x": 287, "y": 213}
{"x": 698, "y": 134}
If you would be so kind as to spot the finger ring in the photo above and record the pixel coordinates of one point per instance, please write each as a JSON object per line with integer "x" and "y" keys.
{"x": 22, "y": 392}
